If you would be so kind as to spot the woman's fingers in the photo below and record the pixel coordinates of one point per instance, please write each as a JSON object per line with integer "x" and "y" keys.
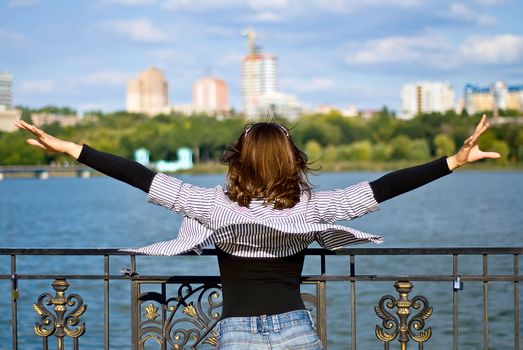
{"x": 482, "y": 126}
{"x": 29, "y": 127}
{"x": 481, "y": 123}
{"x": 34, "y": 142}
{"x": 491, "y": 155}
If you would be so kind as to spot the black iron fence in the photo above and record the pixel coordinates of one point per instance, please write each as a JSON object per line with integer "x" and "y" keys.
{"x": 180, "y": 312}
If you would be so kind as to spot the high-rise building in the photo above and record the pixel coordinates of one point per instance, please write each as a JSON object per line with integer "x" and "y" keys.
{"x": 6, "y": 90}
{"x": 496, "y": 96}
{"x": 148, "y": 93}
{"x": 259, "y": 77}
{"x": 426, "y": 97}
{"x": 210, "y": 95}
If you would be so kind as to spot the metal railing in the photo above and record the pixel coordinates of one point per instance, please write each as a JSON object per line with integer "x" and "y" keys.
{"x": 184, "y": 317}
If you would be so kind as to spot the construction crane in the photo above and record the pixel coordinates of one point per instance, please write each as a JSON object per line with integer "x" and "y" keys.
{"x": 251, "y": 36}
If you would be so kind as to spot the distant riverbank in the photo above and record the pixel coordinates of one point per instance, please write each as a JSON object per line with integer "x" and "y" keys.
{"x": 344, "y": 166}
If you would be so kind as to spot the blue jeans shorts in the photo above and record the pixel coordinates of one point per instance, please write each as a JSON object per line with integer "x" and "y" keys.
{"x": 292, "y": 330}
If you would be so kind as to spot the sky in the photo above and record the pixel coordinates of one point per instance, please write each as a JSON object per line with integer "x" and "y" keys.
{"x": 337, "y": 52}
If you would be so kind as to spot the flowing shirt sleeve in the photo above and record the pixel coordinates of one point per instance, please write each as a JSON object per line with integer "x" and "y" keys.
{"x": 192, "y": 201}
{"x": 343, "y": 204}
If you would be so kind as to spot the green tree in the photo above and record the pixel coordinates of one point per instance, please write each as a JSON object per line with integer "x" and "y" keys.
{"x": 400, "y": 147}
{"x": 419, "y": 150}
{"x": 330, "y": 153}
{"x": 381, "y": 152}
{"x": 360, "y": 150}
{"x": 443, "y": 145}
{"x": 313, "y": 150}
{"x": 503, "y": 149}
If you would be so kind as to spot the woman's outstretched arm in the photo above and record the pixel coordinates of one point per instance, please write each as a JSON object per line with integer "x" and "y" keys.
{"x": 404, "y": 180}
{"x": 117, "y": 167}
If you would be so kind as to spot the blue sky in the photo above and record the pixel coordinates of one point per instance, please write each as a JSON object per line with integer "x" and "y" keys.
{"x": 338, "y": 52}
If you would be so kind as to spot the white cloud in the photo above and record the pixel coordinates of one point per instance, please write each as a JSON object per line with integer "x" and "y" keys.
{"x": 309, "y": 85}
{"x": 141, "y": 29}
{"x": 107, "y": 77}
{"x": 429, "y": 49}
{"x": 206, "y": 5}
{"x": 10, "y": 36}
{"x": 500, "y": 49}
{"x": 464, "y": 13}
{"x": 37, "y": 87}
{"x": 199, "y": 5}
{"x": 267, "y": 17}
{"x": 127, "y": 2}
{"x": 268, "y": 4}
{"x": 492, "y": 2}
{"x": 350, "y": 6}
{"x": 437, "y": 52}
{"x": 22, "y": 3}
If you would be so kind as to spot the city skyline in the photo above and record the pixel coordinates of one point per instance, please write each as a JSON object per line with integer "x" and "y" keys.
{"x": 338, "y": 53}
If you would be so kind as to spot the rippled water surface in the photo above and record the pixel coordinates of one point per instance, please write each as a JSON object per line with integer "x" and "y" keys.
{"x": 463, "y": 209}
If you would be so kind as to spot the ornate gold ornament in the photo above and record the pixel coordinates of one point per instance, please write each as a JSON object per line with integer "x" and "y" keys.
{"x": 190, "y": 310}
{"x": 58, "y": 321}
{"x": 401, "y": 327}
{"x": 151, "y": 312}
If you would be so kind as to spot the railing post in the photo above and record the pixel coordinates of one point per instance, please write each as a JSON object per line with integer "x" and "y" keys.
{"x": 353, "y": 302}
{"x": 455, "y": 305}
{"x": 516, "y": 302}
{"x": 14, "y": 302}
{"x": 135, "y": 308}
{"x": 106, "y": 303}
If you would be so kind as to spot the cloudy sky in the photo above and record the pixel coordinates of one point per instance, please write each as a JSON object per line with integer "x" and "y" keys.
{"x": 339, "y": 52}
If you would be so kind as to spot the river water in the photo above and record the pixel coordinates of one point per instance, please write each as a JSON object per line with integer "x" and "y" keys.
{"x": 464, "y": 209}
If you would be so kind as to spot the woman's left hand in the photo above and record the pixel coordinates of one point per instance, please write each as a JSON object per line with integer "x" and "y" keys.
{"x": 470, "y": 151}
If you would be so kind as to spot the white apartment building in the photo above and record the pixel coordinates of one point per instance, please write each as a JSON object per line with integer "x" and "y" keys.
{"x": 259, "y": 78}
{"x": 426, "y": 97}
{"x": 6, "y": 90}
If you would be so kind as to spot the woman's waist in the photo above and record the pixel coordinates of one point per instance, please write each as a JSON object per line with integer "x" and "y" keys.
{"x": 263, "y": 323}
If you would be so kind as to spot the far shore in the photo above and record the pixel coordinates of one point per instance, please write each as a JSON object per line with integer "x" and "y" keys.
{"x": 366, "y": 166}
{"x": 317, "y": 168}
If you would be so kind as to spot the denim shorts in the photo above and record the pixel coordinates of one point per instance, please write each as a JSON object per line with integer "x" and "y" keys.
{"x": 292, "y": 330}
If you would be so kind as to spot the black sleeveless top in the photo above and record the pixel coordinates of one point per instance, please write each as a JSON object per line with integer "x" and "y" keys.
{"x": 260, "y": 286}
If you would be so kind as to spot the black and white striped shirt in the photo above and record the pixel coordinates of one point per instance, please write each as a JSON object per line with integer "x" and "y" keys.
{"x": 259, "y": 230}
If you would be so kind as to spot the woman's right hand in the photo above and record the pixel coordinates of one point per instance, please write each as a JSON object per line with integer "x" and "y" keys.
{"x": 48, "y": 142}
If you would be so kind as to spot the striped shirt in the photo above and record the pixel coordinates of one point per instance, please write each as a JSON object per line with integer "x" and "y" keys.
{"x": 210, "y": 217}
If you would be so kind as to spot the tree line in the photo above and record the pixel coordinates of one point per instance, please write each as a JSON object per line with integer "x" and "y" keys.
{"x": 326, "y": 138}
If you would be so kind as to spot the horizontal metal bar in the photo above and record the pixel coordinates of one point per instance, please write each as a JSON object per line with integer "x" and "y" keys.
{"x": 65, "y": 276}
{"x": 309, "y": 278}
{"x": 311, "y": 251}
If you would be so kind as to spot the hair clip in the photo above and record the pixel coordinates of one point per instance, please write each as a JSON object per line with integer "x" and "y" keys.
{"x": 284, "y": 129}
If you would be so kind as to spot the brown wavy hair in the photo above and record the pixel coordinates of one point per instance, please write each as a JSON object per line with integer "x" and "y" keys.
{"x": 264, "y": 163}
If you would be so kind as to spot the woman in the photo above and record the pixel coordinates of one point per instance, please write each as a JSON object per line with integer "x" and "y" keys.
{"x": 262, "y": 222}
